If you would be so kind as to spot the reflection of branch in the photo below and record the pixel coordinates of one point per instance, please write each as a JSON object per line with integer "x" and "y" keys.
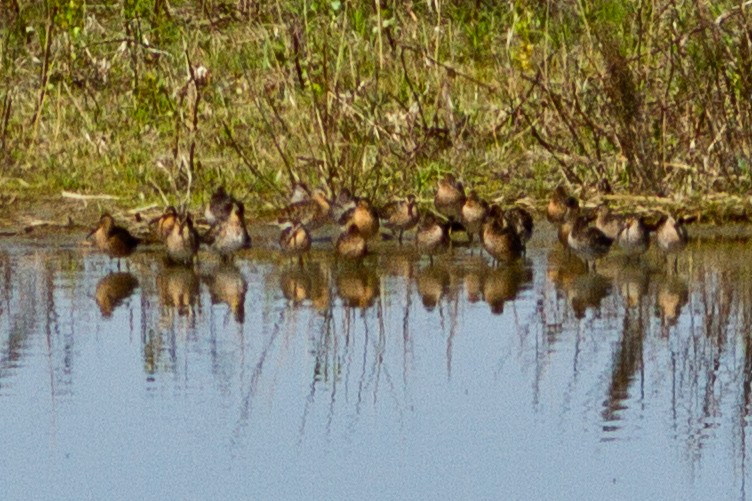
{"x": 257, "y": 371}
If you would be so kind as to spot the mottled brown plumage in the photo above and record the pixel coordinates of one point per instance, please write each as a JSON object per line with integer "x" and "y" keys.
{"x": 449, "y": 198}
{"x": 400, "y": 215}
{"x": 112, "y": 239}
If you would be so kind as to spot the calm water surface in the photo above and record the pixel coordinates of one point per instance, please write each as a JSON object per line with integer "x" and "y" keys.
{"x": 392, "y": 380}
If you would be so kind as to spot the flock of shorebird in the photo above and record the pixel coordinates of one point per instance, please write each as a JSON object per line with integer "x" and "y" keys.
{"x": 503, "y": 233}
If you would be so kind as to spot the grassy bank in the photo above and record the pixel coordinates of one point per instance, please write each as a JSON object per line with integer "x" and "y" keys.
{"x": 156, "y": 100}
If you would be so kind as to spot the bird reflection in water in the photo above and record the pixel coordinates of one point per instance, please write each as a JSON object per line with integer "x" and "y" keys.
{"x": 473, "y": 279}
{"x": 296, "y": 284}
{"x": 570, "y": 275}
{"x": 673, "y": 295}
{"x": 633, "y": 281}
{"x": 357, "y": 286}
{"x": 113, "y": 289}
{"x": 433, "y": 283}
{"x": 227, "y": 285}
{"x": 587, "y": 291}
{"x": 502, "y": 284}
{"x": 178, "y": 288}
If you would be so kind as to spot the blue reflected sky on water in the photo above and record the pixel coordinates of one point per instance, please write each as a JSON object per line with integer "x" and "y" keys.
{"x": 395, "y": 380}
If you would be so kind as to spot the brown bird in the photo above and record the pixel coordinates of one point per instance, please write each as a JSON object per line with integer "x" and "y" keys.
{"x": 432, "y": 237}
{"x": 558, "y": 204}
{"x": 609, "y": 223}
{"x": 500, "y": 240}
{"x": 344, "y": 202}
{"x": 588, "y": 242}
{"x": 351, "y": 244}
{"x": 183, "y": 240}
{"x": 634, "y": 238}
{"x": 230, "y": 235}
{"x": 364, "y": 216}
{"x": 294, "y": 239}
{"x": 165, "y": 222}
{"x": 522, "y": 223}
{"x": 671, "y": 236}
{"x": 567, "y": 222}
{"x": 473, "y": 213}
{"x": 400, "y": 215}
{"x": 219, "y": 207}
{"x": 312, "y": 212}
{"x": 449, "y": 198}
{"x": 114, "y": 240}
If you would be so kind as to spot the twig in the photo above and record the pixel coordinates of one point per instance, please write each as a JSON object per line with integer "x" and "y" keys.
{"x": 78, "y": 196}
{"x": 251, "y": 166}
{"x": 45, "y": 69}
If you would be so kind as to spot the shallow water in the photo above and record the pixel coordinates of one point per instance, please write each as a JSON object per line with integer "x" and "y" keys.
{"x": 391, "y": 380}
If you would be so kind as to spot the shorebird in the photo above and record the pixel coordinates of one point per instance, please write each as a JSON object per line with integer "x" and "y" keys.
{"x": 558, "y": 204}
{"x": 364, "y": 216}
{"x": 219, "y": 207}
{"x": 344, "y": 202}
{"x": 431, "y": 236}
{"x": 588, "y": 242}
{"x": 312, "y": 212}
{"x": 182, "y": 242}
{"x": 449, "y": 198}
{"x": 112, "y": 239}
{"x": 566, "y": 223}
{"x": 351, "y": 244}
{"x": 230, "y": 235}
{"x": 299, "y": 193}
{"x": 522, "y": 223}
{"x": 500, "y": 239}
{"x": 473, "y": 213}
{"x": 165, "y": 222}
{"x": 400, "y": 215}
{"x": 609, "y": 223}
{"x": 634, "y": 238}
{"x": 295, "y": 239}
{"x": 671, "y": 236}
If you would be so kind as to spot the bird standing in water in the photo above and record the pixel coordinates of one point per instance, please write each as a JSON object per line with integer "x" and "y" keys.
{"x": 449, "y": 198}
{"x": 588, "y": 242}
{"x": 219, "y": 207}
{"x": 400, "y": 215}
{"x": 558, "y": 204}
{"x": 432, "y": 236}
{"x": 230, "y": 235}
{"x": 500, "y": 239}
{"x": 364, "y": 216}
{"x": 671, "y": 236}
{"x": 115, "y": 241}
{"x": 473, "y": 214}
{"x": 183, "y": 240}
{"x": 294, "y": 239}
{"x": 165, "y": 222}
{"x": 351, "y": 244}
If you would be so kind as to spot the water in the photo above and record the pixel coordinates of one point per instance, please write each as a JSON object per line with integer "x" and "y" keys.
{"x": 395, "y": 380}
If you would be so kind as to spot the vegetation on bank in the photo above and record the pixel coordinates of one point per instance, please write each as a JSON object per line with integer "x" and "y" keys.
{"x": 159, "y": 100}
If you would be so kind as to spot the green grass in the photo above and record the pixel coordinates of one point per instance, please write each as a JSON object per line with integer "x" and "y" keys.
{"x": 515, "y": 98}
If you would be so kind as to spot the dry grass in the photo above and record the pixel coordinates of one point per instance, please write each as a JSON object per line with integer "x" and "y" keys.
{"x": 380, "y": 97}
